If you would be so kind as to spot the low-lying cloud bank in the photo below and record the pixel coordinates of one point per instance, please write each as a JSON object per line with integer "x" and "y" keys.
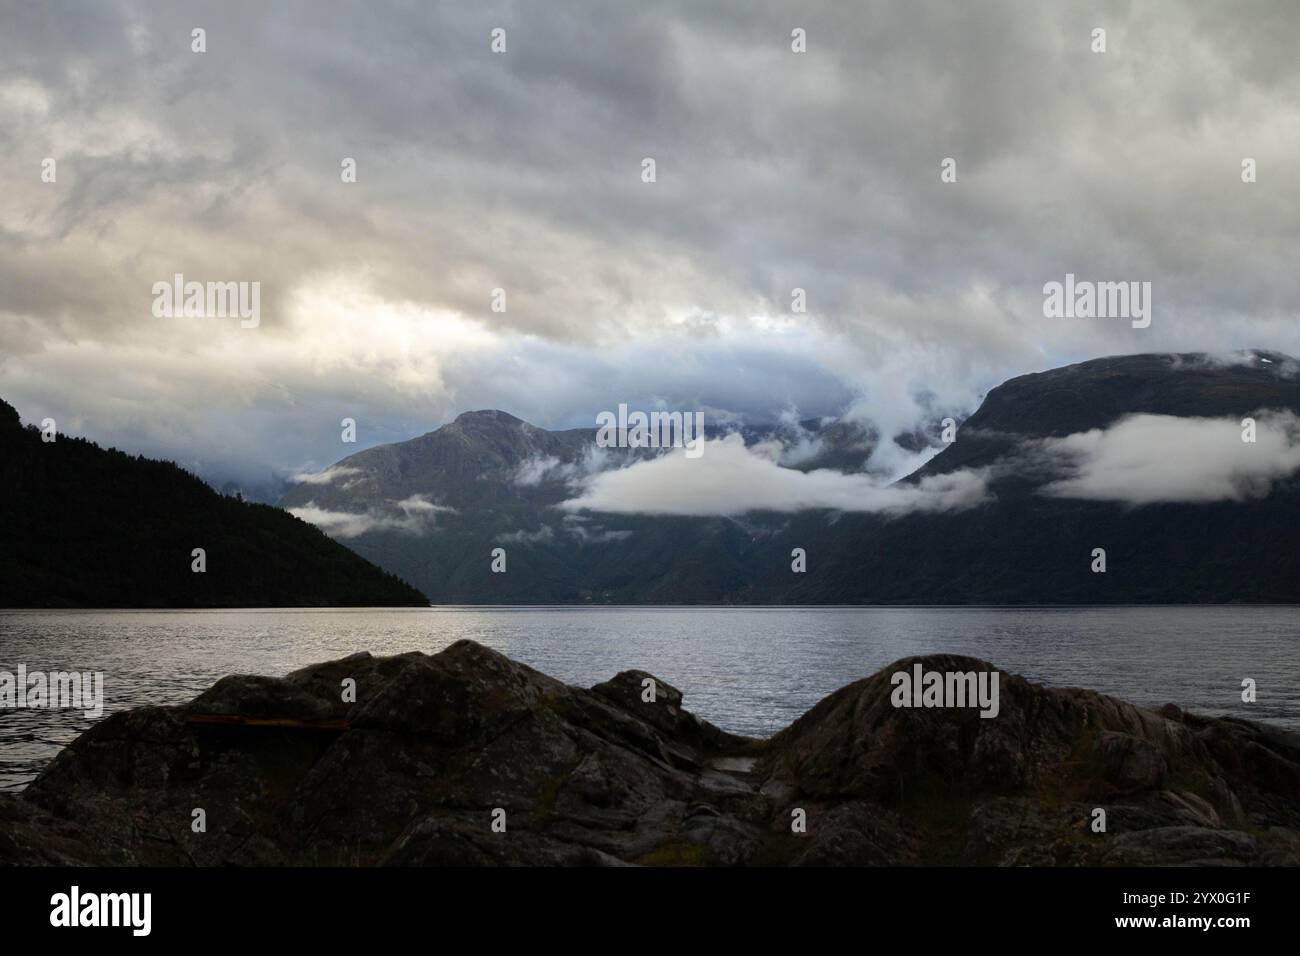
{"x": 1139, "y": 460}
{"x": 413, "y": 515}
{"x": 731, "y": 479}
{"x": 1149, "y": 459}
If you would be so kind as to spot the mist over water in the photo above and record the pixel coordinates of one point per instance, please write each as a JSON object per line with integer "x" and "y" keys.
{"x": 748, "y": 670}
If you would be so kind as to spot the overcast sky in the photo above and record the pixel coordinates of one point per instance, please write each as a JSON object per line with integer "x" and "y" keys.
{"x": 523, "y": 171}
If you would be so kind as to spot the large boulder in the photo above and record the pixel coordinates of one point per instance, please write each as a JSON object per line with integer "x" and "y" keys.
{"x": 1131, "y": 763}
{"x": 466, "y": 757}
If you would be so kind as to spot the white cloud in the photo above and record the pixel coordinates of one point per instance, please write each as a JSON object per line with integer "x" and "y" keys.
{"x": 542, "y": 534}
{"x": 421, "y": 505}
{"x": 596, "y": 535}
{"x": 543, "y": 468}
{"x": 341, "y": 524}
{"x": 730, "y": 479}
{"x": 797, "y": 444}
{"x": 413, "y": 515}
{"x": 326, "y": 477}
{"x": 533, "y": 471}
{"x": 1145, "y": 459}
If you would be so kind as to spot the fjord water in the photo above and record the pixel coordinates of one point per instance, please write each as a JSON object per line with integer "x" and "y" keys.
{"x": 749, "y": 670}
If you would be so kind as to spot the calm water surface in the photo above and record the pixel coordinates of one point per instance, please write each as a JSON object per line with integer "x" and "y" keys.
{"x": 749, "y": 670}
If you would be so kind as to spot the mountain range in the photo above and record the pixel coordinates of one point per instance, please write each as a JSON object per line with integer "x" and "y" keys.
{"x": 1102, "y": 456}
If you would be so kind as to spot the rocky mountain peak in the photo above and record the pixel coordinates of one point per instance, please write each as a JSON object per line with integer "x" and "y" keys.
{"x": 488, "y": 417}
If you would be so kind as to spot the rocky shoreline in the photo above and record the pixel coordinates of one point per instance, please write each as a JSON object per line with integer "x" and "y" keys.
{"x": 468, "y": 758}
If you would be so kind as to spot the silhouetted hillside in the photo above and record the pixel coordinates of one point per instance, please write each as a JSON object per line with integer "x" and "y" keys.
{"x": 83, "y": 526}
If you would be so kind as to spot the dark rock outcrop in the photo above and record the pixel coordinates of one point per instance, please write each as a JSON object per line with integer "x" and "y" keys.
{"x": 433, "y": 755}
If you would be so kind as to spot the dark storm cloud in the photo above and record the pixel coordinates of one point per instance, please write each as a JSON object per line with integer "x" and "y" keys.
{"x": 522, "y": 171}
